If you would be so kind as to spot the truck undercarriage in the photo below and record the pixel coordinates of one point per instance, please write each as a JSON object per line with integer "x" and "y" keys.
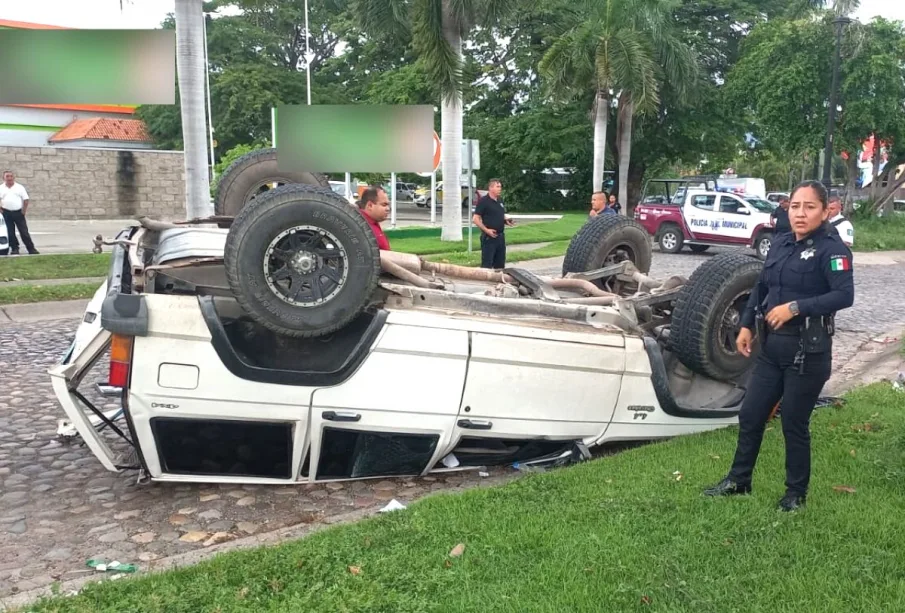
{"x": 418, "y": 367}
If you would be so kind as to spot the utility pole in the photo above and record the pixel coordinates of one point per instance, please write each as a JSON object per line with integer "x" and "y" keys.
{"x": 839, "y": 22}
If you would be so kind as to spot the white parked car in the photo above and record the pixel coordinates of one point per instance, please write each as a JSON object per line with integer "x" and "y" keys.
{"x": 4, "y": 237}
{"x": 287, "y": 349}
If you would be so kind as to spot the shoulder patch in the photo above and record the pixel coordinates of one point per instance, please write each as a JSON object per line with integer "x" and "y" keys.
{"x": 840, "y": 263}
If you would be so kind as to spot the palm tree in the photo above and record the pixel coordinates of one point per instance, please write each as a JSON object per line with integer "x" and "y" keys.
{"x": 437, "y": 28}
{"x": 624, "y": 50}
{"x": 190, "y": 70}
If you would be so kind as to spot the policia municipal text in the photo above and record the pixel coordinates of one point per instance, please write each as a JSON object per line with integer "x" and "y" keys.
{"x": 807, "y": 277}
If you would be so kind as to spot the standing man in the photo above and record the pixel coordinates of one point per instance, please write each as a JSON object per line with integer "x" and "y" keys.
{"x": 781, "y": 216}
{"x": 14, "y": 202}
{"x": 839, "y": 223}
{"x": 617, "y": 208}
{"x": 599, "y": 205}
{"x": 490, "y": 218}
{"x": 375, "y": 208}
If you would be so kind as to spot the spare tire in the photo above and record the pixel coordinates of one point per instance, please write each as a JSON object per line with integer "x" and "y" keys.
{"x": 705, "y": 321}
{"x": 301, "y": 261}
{"x": 253, "y": 174}
{"x": 605, "y": 240}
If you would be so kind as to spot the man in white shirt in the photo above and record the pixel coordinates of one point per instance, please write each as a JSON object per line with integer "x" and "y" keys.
{"x": 843, "y": 226}
{"x": 14, "y": 203}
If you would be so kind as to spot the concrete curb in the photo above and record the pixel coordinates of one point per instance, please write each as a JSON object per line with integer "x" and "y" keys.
{"x": 42, "y": 311}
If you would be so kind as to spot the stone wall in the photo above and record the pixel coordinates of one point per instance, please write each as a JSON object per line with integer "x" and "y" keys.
{"x": 73, "y": 183}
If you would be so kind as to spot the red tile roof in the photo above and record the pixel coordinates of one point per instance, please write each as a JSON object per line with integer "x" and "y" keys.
{"x": 131, "y": 130}
{"x": 25, "y": 25}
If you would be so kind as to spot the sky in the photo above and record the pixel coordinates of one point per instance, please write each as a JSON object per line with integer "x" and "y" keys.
{"x": 141, "y": 14}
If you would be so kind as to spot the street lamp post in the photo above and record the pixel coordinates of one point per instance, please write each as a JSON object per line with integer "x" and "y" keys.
{"x": 839, "y": 22}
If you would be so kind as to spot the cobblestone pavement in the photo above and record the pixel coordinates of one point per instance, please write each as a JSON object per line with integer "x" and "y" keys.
{"x": 59, "y": 506}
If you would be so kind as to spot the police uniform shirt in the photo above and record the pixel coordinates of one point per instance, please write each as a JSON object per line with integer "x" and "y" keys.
{"x": 491, "y": 212}
{"x": 816, "y": 272}
{"x": 844, "y": 228}
{"x": 781, "y": 220}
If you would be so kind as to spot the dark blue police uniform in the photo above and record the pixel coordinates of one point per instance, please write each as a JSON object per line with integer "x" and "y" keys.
{"x": 795, "y": 361}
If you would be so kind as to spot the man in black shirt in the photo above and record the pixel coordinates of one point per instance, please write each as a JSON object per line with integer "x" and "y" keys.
{"x": 781, "y": 216}
{"x": 490, "y": 218}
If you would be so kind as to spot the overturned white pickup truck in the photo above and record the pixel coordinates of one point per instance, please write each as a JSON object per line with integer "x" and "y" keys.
{"x": 288, "y": 349}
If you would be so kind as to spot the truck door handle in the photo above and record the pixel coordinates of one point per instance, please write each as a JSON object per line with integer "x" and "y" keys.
{"x": 473, "y": 424}
{"x": 341, "y": 416}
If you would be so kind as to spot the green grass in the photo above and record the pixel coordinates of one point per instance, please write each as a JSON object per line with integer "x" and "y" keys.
{"x": 22, "y": 294}
{"x": 56, "y": 266}
{"x": 463, "y": 258}
{"x": 621, "y": 533}
{"x": 878, "y": 234}
{"x": 414, "y": 240}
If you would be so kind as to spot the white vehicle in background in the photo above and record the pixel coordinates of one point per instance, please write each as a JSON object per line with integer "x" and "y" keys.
{"x": 288, "y": 349}
{"x": 743, "y": 185}
{"x": 4, "y": 237}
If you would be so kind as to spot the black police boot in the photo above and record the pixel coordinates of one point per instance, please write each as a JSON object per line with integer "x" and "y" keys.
{"x": 728, "y": 487}
{"x": 792, "y": 502}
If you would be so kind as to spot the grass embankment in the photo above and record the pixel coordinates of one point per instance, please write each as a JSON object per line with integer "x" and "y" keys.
{"x": 624, "y": 533}
{"x": 878, "y": 234}
{"x": 55, "y": 266}
{"x": 46, "y": 267}
{"x": 22, "y": 294}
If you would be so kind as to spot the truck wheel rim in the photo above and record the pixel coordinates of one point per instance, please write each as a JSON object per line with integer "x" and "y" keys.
{"x": 765, "y": 246}
{"x": 730, "y": 324}
{"x": 262, "y": 187}
{"x": 305, "y": 266}
{"x": 669, "y": 240}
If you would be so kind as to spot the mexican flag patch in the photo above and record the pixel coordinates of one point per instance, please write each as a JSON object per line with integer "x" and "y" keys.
{"x": 840, "y": 263}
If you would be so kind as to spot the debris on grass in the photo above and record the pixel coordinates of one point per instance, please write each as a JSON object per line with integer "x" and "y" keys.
{"x": 355, "y": 570}
{"x": 114, "y": 566}
{"x": 848, "y": 489}
{"x": 393, "y": 505}
{"x": 457, "y": 551}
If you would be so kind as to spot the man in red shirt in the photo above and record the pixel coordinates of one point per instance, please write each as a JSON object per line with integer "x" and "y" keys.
{"x": 375, "y": 207}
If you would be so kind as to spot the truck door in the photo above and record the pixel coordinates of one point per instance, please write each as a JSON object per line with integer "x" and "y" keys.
{"x": 701, "y": 218}
{"x": 735, "y": 219}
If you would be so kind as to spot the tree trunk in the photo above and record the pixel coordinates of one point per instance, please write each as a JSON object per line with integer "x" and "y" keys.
{"x": 190, "y": 68}
{"x": 624, "y": 131}
{"x": 636, "y": 172}
{"x": 451, "y": 137}
{"x": 601, "y": 114}
{"x": 851, "y": 183}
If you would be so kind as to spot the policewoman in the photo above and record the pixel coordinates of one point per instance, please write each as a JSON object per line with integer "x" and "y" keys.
{"x": 807, "y": 278}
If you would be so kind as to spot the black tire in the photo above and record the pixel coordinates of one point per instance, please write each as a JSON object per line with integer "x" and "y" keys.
{"x": 762, "y": 244}
{"x": 608, "y": 237}
{"x": 671, "y": 238}
{"x": 698, "y": 248}
{"x": 705, "y": 319}
{"x": 251, "y": 175}
{"x": 301, "y": 221}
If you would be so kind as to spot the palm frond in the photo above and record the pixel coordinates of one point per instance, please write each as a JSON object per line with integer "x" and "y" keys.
{"x": 491, "y": 12}
{"x": 442, "y": 62}
{"x": 633, "y": 68}
{"x": 383, "y": 17}
{"x": 461, "y": 12}
{"x": 678, "y": 65}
